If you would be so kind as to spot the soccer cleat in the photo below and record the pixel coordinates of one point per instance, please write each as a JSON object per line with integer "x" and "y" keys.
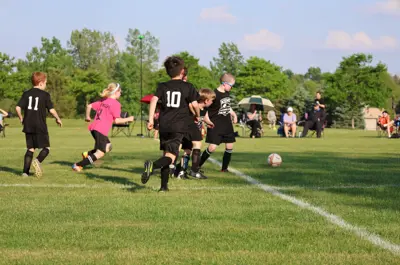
{"x": 77, "y": 168}
{"x": 38, "y": 168}
{"x": 197, "y": 175}
{"x": 148, "y": 170}
{"x": 182, "y": 175}
{"x": 24, "y": 175}
{"x": 225, "y": 170}
{"x": 85, "y": 155}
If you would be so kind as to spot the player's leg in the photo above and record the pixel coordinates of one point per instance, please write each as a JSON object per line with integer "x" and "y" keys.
{"x": 102, "y": 146}
{"x": 195, "y": 170}
{"x": 40, "y": 141}
{"x": 214, "y": 140}
{"x": 228, "y": 140}
{"x": 165, "y": 171}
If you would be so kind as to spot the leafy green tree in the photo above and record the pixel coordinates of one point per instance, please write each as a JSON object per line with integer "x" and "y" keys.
{"x": 314, "y": 74}
{"x": 261, "y": 77}
{"x": 229, "y": 60}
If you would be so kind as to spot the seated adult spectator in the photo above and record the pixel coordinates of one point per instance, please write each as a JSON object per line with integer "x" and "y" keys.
{"x": 314, "y": 121}
{"x": 253, "y": 120}
{"x": 289, "y": 123}
{"x": 271, "y": 116}
{"x": 3, "y": 114}
{"x": 385, "y": 123}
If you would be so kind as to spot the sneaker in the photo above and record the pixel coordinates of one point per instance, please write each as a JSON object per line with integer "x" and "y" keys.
{"x": 85, "y": 155}
{"x": 77, "y": 168}
{"x": 225, "y": 170}
{"x": 197, "y": 175}
{"x": 24, "y": 175}
{"x": 148, "y": 170}
{"x": 38, "y": 168}
{"x": 182, "y": 175}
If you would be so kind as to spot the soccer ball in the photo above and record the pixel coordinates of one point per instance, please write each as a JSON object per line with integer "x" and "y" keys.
{"x": 274, "y": 160}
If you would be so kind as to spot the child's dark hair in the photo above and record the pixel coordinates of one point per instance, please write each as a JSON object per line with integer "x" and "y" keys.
{"x": 174, "y": 65}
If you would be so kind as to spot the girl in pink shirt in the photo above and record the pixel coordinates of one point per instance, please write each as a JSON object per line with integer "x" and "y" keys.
{"x": 108, "y": 111}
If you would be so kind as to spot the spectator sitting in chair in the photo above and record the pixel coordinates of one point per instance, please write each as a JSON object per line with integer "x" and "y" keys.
{"x": 253, "y": 120}
{"x": 3, "y": 114}
{"x": 289, "y": 122}
{"x": 385, "y": 123}
{"x": 314, "y": 121}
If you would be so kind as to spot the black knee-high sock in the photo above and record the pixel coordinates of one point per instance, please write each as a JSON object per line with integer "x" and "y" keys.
{"x": 43, "y": 154}
{"x": 227, "y": 158}
{"x": 92, "y": 151}
{"x": 162, "y": 162}
{"x": 87, "y": 161}
{"x": 195, "y": 160}
{"x": 204, "y": 156}
{"x": 164, "y": 177}
{"x": 27, "y": 161}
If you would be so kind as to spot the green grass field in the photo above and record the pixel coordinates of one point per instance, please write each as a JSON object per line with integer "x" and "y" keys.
{"x": 104, "y": 215}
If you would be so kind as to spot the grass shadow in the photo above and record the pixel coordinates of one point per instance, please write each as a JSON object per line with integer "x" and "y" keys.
{"x": 117, "y": 180}
{"x": 11, "y": 170}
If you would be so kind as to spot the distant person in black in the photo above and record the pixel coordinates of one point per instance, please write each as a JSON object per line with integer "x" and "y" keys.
{"x": 320, "y": 101}
{"x": 314, "y": 120}
{"x": 175, "y": 96}
{"x": 220, "y": 113}
{"x": 35, "y": 103}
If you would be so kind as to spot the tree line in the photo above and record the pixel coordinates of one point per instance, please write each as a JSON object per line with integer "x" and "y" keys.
{"x": 80, "y": 69}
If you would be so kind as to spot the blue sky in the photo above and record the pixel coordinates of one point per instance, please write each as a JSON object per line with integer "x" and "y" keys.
{"x": 294, "y": 34}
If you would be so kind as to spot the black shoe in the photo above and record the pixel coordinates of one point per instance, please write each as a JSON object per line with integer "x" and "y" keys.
{"x": 163, "y": 190}
{"x": 197, "y": 175}
{"x": 182, "y": 175}
{"x": 148, "y": 170}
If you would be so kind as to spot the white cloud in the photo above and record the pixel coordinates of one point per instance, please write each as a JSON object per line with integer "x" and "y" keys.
{"x": 391, "y": 7}
{"x": 342, "y": 40}
{"x": 263, "y": 40}
{"x": 217, "y": 14}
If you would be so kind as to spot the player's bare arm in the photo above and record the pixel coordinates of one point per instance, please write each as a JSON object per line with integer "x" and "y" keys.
{"x": 124, "y": 120}
{"x": 233, "y": 114}
{"x": 196, "y": 109}
{"x": 18, "y": 110}
{"x": 55, "y": 115}
{"x": 5, "y": 113}
{"x": 152, "y": 110}
{"x": 88, "y": 110}
{"x": 207, "y": 120}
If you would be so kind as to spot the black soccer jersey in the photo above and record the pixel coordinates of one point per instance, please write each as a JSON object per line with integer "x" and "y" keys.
{"x": 35, "y": 103}
{"x": 175, "y": 96}
{"x": 219, "y": 112}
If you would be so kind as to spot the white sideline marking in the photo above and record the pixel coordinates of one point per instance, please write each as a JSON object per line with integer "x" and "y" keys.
{"x": 361, "y": 232}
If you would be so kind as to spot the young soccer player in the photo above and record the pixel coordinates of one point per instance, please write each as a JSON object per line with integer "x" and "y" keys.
{"x": 108, "y": 111}
{"x": 175, "y": 119}
{"x": 35, "y": 103}
{"x": 3, "y": 114}
{"x": 192, "y": 143}
{"x": 220, "y": 113}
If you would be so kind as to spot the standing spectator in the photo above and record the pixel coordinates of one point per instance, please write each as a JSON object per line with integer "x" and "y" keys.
{"x": 289, "y": 122}
{"x": 271, "y": 116}
{"x": 320, "y": 101}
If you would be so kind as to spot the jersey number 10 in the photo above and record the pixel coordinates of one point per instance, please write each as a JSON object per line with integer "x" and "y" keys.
{"x": 173, "y": 99}
{"x": 36, "y": 103}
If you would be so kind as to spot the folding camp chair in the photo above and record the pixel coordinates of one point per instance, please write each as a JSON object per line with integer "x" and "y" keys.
{"x": 3, "y": 129}
{"x": 125, "y": 128}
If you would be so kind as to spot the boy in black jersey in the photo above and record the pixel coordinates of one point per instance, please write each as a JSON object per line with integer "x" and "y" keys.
{"x": 220, "y": 113}
{"x": 175, "y": 96}
{"x": 192, "y": 143}
{"x": 35, "y": 103}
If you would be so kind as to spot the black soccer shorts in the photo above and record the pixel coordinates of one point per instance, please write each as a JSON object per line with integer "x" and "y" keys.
{"x": 194, "y": 135}
{"x": 215, "y": 137}
{"x": 170, "y": 141}
{"x": 37, "y": 140}
{"x": 101, "y": 141}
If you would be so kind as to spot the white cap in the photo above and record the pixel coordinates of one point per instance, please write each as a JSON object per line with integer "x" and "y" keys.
{"x": 290, "y": 109}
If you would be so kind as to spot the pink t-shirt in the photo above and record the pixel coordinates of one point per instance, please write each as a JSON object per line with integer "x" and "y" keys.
{"x": 107, "y": 110}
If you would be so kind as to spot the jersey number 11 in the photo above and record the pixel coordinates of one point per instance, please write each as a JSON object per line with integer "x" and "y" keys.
{"x": 36, "y": 103}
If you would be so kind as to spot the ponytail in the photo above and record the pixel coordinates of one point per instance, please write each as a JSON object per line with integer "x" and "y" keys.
{"x": 110, "y": 90}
